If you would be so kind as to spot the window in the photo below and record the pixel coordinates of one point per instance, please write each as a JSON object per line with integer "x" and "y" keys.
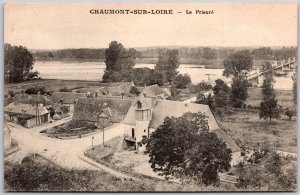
{"x": 139, "y": 105}
{"x": 144, "y": 130}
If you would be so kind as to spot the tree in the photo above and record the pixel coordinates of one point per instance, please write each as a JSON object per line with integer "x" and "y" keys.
{"x": 290, "y": 113}
{"x": 237, "y": 65}
{"x": 200, "y": 87}
{"x": 183, "y": 146}
{"x": 182, "y": 81}
{"x": 221, "y": 93}
{"x": 168, "y": 62}
{"x": 239, "y": 92}
{"x": 268, "y": 106}
{"x": 134, "y": 90}
{"x": 119, "y": 62}
{"x": 175, "y": 93}
{"x": 18, "y": 62}
{"x": 145, "y": 76}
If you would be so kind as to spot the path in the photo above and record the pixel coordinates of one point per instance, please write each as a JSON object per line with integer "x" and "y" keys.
{"x": 67, "y": 153}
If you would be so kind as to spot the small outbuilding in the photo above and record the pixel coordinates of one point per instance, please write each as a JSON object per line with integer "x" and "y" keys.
{"x": 26, "y": 115}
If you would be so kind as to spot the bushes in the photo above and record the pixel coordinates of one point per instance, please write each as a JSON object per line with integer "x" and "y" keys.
{"x": 36, "y": 89}
{"x": 65, "y": 89}
{"x": 182, "y": 81}
{"x": 146, "y": 76}
{"x": 266, "y": 171}
{"x": 33, "y": 76}
{"x": 200, "y": 87}
{"x": 134, "y": 90}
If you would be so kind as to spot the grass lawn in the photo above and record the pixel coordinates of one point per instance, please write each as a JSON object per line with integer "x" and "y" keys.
{"x": 284, "y": 97}
{"x": 245, "y": 125}
{"x": 72, "y": 128}
{"x": 49, "y": 84}
{"x": 100, "y": 153}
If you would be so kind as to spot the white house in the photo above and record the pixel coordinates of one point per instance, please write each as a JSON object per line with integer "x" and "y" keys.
{"x": 147, "y": 114}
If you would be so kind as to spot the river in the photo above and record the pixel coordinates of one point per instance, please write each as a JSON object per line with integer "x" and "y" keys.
{"x": 94, "y": 71}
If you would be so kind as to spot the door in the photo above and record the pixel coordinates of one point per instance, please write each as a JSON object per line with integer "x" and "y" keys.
{"x": 132, "y": 132}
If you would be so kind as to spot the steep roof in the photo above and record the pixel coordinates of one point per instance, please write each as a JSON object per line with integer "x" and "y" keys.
{"x": 36, "y": 99}
{"x": 28, "y": 109}
{"x": 22, "y": 96}
{"x": 166, "y": 91}
{"x": 67, "y": 97}
{"x": 153, "y": 90}
{"x": 227, "y": 139}
{"x": 166, "y": 108}
{"x": 177, "y": 109}
{"x": 88, "y": 108}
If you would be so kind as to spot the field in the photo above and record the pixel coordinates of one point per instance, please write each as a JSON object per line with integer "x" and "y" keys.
{"x": 244, "y": 125}
{"x": 49, "y": 84}
{"x": 284, "y": 97}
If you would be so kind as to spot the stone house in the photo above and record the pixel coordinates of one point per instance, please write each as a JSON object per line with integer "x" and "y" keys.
{"x": 27, "y": 115}
{"x": 147, "y": 114}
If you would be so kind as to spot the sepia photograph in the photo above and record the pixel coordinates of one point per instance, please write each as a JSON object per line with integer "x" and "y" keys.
{"x": 150, "y": 97}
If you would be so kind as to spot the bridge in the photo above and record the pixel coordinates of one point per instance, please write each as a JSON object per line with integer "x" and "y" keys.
{"x": 281, "y": 67}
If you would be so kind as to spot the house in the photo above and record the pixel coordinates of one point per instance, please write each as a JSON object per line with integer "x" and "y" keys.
{"x": 26, "y": 115}
{"x": 112, "y": 90}
{"x": 147, "y": 114}
{"x": 35, "y": 99}
{"x": 207, "y": 93}
{"x": 22, "y": 96}
{"x": 91, "y": 109}
{"x": 59, "y": 111}
{"x": 67, "y": 98}
{"x": 155, "y": 91}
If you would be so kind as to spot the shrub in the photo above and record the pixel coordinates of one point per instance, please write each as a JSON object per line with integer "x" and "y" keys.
{"x": 134, "y": 90}
{"x": 182, "y": 81}
{"x": 65, "y": 89}
{"x": 11, "y": 93}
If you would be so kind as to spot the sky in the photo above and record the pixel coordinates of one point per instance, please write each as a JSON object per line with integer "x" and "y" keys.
{"x": 61, "y": 25}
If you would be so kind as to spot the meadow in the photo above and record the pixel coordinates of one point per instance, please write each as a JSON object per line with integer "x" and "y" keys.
{"x": 245, "y": 126}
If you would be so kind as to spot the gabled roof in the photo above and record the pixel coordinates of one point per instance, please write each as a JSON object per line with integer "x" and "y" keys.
{"x": 227, "y": 139}
{"x": 22, "y": 96}
{"x": 167, "y": 91}
{"x": 66, "y": 97}
{"x": 166, "y": 108}
{"x": 88, "y": 108}
{"x": 177, "y": 109}
{"x": 153, "y": 90}
{"x": 60, "y": 108}
{"x": 36, "y": 99}
{"x": 27, "y": 109}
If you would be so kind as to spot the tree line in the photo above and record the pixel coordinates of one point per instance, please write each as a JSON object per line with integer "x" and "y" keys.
{"x": 120, "y": 62}
{"x": 192, "y": 53}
